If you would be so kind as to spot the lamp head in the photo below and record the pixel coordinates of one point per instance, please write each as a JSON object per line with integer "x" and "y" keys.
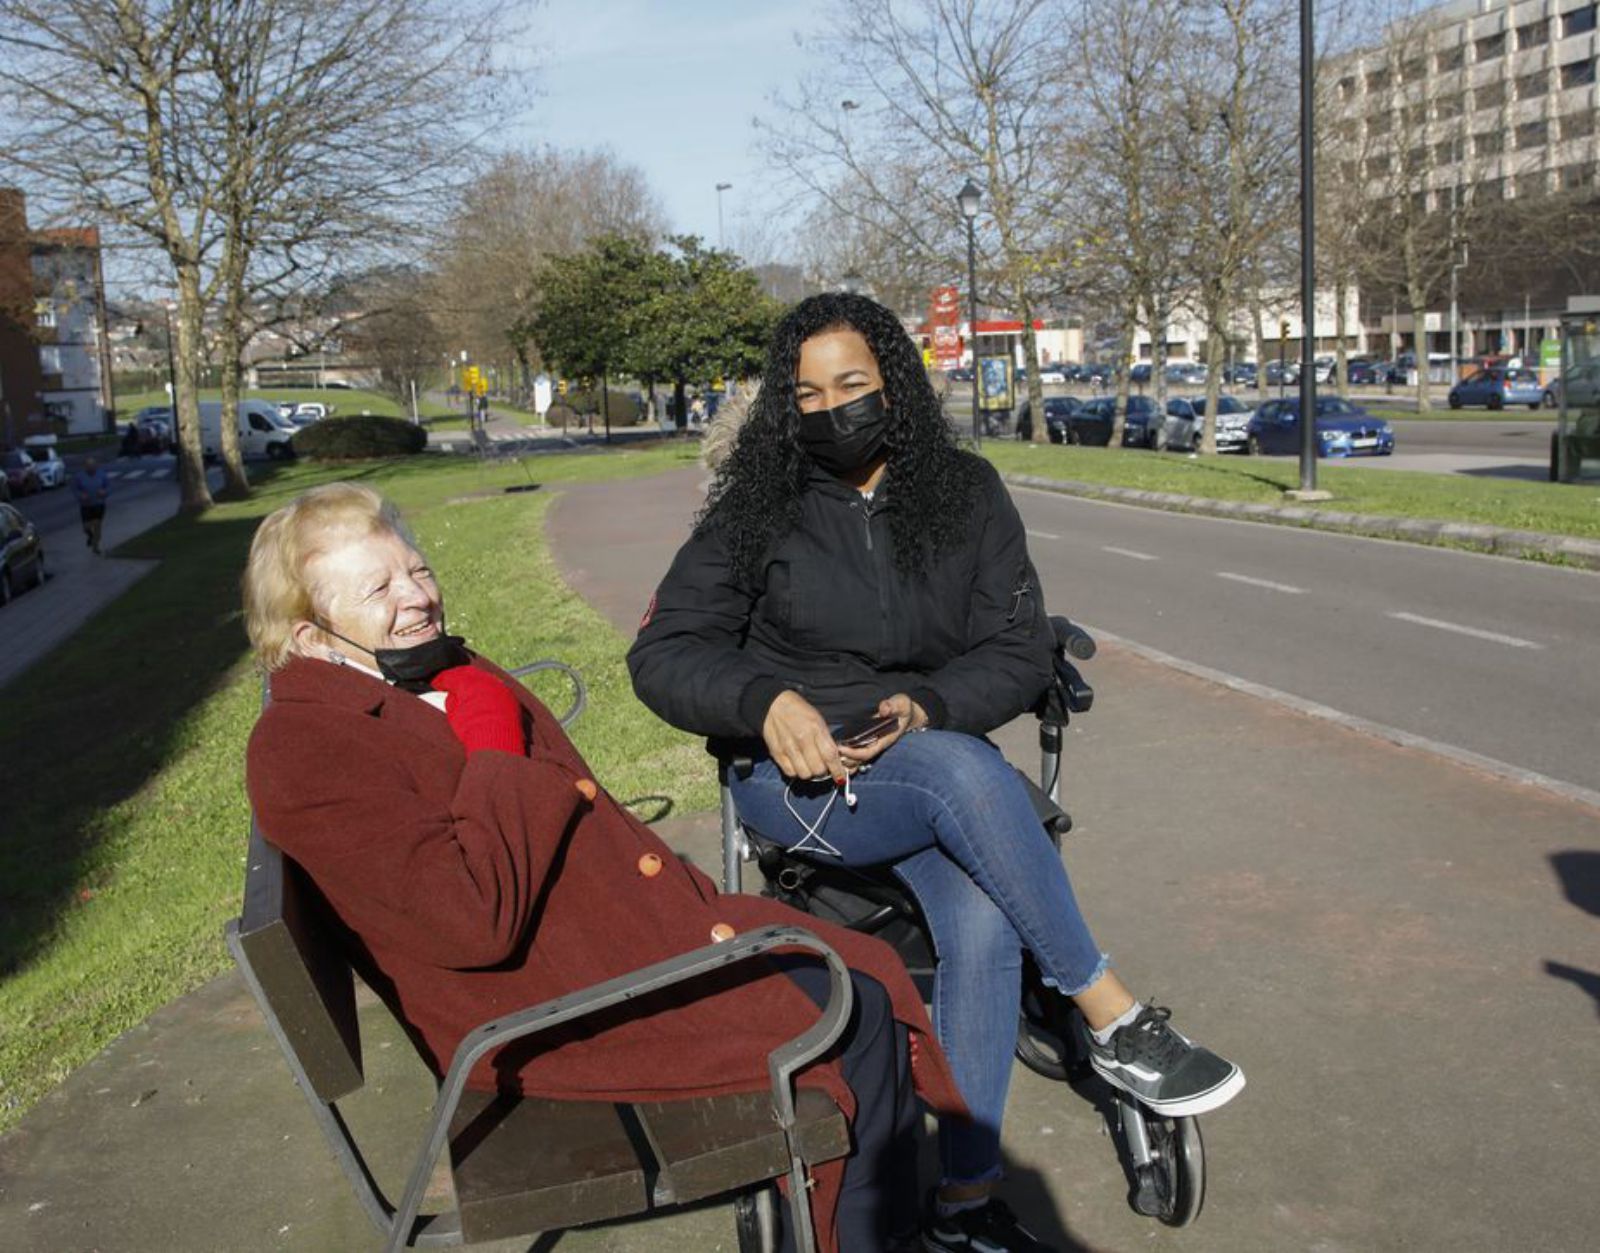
{"x": 968, "y": 198}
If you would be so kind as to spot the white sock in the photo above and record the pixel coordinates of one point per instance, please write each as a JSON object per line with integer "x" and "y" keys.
{"x": 1103, "y": 1036}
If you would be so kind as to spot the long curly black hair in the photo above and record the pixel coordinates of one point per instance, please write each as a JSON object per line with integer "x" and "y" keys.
{"x": 755, "y": 499}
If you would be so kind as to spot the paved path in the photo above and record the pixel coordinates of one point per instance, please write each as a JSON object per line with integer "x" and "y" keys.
{"x": 1402, "y": 953}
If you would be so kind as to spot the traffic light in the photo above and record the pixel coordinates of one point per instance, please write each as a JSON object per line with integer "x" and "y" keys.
{"x": 562, "y": 387}
{"x": 1283, "y": 329}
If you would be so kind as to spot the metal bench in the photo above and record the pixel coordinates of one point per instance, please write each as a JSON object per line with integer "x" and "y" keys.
{"x": 520, "y": 1166}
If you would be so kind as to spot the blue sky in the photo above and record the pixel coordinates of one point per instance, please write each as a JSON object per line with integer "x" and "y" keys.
{"x": 671, "y": 86}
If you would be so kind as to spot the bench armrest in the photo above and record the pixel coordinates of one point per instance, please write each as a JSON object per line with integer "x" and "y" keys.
{"x": 782, "y": 1063}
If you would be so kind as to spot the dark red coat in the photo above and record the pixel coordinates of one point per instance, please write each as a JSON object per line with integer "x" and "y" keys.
{"x": 481, "y": 885}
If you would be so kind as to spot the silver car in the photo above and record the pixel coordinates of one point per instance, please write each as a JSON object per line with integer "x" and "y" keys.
{"x": 1233, "y": 416}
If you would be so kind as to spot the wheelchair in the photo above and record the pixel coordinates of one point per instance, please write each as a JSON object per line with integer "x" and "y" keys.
{"x": 1163, "y": 1157}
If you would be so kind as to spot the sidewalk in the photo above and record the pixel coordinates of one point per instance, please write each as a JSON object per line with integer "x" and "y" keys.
{"x": 1402, "y": 954}
{"x": 80, "y": 583}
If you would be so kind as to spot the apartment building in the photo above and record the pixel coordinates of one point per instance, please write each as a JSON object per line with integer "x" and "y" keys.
{"x": 1475, "y": 103}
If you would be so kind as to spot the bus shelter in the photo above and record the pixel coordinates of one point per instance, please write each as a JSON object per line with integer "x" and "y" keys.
{"x": 1575, "y": 451}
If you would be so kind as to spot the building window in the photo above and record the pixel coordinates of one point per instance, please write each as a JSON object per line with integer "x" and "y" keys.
{"x": 1530, "y": 186}
{"x": 1419, "y": 205}
{"x": 1412, "y": 70}
{"x": 1349, "y": 170}
{"x": 1348, "y": 129}
{"x": 1489, "y": 47}
{"x": 1534, "y": 34}
{"x": 1578, "y": 176}
{"x": 1378, "y": 80}
{"x": 1579, "y": 125}
{"x": 1577, "y": 73}
{"x": 1347, "y": 87}
{"x": 1446, "y": 107}
{"x": 1380, "y": 123}
{"x": 1489, "y": 190}
{"x": 1577, "y": 21}
{"x": 1448, "y": 152}
{"x": 1488, "y": 144}
{"x": 1533, "y": 135}
{"x": 1532, "y": 85}
{"x": 50, "y": 359}
{"x": 1416, "y": 115}
{"x": 1450, "y": 59}
{"x": 1489, "y": 96}
{"x": 1377, "y": 167}
{"x": 1417, "y": 159}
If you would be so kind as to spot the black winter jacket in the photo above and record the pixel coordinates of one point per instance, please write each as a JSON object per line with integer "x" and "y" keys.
{"x": 833, "y": 619}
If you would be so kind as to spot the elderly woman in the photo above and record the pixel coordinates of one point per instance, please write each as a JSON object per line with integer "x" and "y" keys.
{"x": 853, "y": 564}
{"x": 479, "y": 868}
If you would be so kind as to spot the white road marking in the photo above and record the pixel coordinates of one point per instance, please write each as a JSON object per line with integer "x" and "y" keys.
{"x": 1043, "y": 535}
{"x": 1406, "y": 739}
{"x": 1266, "y": 583}
{"x": 1494, "y": 636}
{"x": 131, "y": 474}
{"x": 1129, "y": 552}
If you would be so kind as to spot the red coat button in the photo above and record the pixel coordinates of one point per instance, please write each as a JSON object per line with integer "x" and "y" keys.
{"x": 721, "y": 933}
{"x": 587, "y": 789}
{"x": 649, "y": 865}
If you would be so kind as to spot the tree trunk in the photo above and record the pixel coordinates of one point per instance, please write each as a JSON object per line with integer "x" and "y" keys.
{"x": 194, "y": 496}
{"x": 680, "y": 404}
{"x": 1419, "y": 350}
{"x": 1158, "y": 375}
{"x": 1261, "y": 343}
{"x": 1216, "y": 318}
{"x": 1341, "y": 373}
{"x": 236, "y": 485}
{"x": 1030, "y": 359}
{"x": 1119, "y": 410}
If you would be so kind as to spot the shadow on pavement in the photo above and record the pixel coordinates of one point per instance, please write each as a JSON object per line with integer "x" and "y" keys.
{"x": 1579, "y": 872}
{"x": 1528, "y": 473}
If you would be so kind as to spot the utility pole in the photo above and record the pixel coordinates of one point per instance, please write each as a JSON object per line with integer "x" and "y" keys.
{"x": 721, "y": 187}
{"x": 1308, "y": 256}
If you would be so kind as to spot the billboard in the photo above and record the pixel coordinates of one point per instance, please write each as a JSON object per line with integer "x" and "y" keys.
{"x": 944, "y": 319}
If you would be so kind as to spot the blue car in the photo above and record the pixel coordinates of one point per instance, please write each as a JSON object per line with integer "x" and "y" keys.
{"x": 1343, "y": 429}
{"x": 1498, "y": 387}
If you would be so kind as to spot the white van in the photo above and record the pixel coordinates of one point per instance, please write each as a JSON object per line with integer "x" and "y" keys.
{"x": 263, "y": 431}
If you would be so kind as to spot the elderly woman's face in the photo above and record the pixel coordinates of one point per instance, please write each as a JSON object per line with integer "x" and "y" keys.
{"x": 835, "y": 367}
{"x": 377, "y": 591}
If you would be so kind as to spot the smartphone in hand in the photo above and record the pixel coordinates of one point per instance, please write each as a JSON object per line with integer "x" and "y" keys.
{"x": 861, "y": 733}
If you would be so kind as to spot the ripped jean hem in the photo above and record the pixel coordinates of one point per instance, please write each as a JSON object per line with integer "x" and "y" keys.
{"x": 1099, "y": 973}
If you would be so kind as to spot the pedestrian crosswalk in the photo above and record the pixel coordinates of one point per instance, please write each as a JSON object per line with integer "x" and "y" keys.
{"x": 129, "y": 469}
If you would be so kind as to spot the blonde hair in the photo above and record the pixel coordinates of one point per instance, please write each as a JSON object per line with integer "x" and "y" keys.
{"x": 277, "y": 592}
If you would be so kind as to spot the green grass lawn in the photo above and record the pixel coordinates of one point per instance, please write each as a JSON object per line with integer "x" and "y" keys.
{"x": 124, "y": 853}
{"x": 1558, "y": 508}
{"x": 345, "y": 401}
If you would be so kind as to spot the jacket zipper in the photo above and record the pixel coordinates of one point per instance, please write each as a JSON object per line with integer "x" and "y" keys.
{"x": 883, "y": 591}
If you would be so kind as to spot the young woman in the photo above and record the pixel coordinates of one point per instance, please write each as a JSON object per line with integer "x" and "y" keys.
{"x": 480, "y": 869}
{"x": 852, "y": 562}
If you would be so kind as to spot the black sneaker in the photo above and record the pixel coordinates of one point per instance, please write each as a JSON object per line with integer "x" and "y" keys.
{"x": 987, "y": 1228}
{"x": 1157, "y": 1065}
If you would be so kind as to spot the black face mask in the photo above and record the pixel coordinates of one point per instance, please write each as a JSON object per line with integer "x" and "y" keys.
{"x": 848, "y": 436}
{"x": 413, "y": 669}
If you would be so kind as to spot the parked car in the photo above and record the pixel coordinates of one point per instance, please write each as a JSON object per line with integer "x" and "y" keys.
{"x": 152, "y": 431}
{"x": 1184, "y": 426}
{"x": 1363, "y": 372}
{"x": 961, "y": 374}
{"x": 1098, "y": 372}
{"x": 46, "y": 460}
{"x": 1137, "y": 428}
{"x": 1233, "y": 416}
{"x": 21, "y": 554}
{"x": 313, "y": 409}
{"x": 1139, "y": 373}
{"x": 1343, "y": 429}
{"x": 1052, "y": 374}
{"x": 1058, "y": 411}
{"x": 1498, "y": 388}
{"x": 1187, "y": 374}
{"x": 21, "y": 475}
{"x": 1090, "y": 423}
{"x": 1284, "y": 372}
{"x": 1241, "y": 373}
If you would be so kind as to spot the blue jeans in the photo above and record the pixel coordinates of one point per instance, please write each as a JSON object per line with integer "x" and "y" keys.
{"x": 952, "y": 818}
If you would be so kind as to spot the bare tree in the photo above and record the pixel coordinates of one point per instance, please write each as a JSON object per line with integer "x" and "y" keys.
{"x": 949, "y": 90}
{"x": 523, "y": 209}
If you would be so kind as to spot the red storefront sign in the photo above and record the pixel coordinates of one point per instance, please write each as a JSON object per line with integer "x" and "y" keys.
{"x": 944, "y": 319}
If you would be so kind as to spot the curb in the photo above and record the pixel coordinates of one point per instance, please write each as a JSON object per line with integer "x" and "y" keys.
{"x": 1527, "y": 545}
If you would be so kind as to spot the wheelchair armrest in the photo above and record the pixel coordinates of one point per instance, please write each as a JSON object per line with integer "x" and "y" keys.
{"x": 782, "y": 1063}
{"x": 580, "y": 692}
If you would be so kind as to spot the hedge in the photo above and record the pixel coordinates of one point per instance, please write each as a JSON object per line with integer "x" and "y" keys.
{"x": 362, "y": 435}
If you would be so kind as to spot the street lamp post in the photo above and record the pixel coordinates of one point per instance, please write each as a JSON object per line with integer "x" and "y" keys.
{"x": 969, "y": 197}
{"x": 1308, "y": 257}
{"x": 721, "y": 187}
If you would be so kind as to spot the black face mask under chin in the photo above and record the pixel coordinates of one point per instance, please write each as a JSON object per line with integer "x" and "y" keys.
{"x": 848, "y": 436}
{"x": 413, "y": 669}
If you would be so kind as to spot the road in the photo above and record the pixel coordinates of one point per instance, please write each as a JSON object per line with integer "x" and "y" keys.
{"x": 1495, "y": 656}
{"x": 133, "y": 479}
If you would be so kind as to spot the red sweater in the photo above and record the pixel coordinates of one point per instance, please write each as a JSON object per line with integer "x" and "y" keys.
{"x": 475, "y": 886}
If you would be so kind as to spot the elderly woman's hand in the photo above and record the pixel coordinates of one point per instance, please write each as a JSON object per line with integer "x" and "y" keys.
{"x": 482, "y": 710}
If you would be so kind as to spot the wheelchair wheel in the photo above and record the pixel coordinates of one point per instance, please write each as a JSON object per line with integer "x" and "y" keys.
{"x": 1047, "y": 1031}
{"x": 1171, "y": 1187}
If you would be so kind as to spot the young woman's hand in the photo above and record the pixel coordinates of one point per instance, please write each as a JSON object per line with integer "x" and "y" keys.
{"x": 799, "y": 741}
{"x": 909, "y": 716}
